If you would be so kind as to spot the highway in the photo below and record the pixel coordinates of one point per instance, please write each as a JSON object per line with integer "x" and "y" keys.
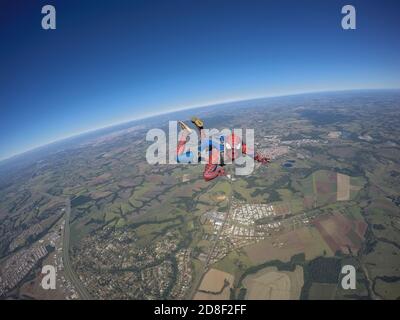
{"x": 68, "y": 270}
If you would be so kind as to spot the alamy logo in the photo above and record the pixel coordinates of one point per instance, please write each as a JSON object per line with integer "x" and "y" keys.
{"x": 349, "y": 20}
{"x": 49, "y": 20}
{"x": 49, "y": 280}
{"x": 349, "y": 278}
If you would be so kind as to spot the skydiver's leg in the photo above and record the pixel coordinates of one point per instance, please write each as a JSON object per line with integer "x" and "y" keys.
{"x": 212, "y": 168}
{"x": 182, "y": 156}
{"x": 181, "y": 143}
{"x": 211, "y": 171}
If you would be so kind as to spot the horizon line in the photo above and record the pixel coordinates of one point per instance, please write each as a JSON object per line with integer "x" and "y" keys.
{"x": 203, "y": 105}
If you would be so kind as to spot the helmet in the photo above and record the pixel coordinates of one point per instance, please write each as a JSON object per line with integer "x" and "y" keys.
{"x": 233, "y": 145}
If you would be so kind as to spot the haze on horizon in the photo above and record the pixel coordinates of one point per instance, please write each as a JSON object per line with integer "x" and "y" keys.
{"x": 121, "y": 61}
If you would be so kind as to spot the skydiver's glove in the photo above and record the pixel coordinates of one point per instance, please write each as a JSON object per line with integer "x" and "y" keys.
{"x": 261, "y": 158}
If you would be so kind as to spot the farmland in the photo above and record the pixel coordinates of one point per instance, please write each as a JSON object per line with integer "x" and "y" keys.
{"x": 282, "y": 247}
{"x": 271, "y": 284}
{"x": 215, "y": 286}
{"x": 142, "y": 231}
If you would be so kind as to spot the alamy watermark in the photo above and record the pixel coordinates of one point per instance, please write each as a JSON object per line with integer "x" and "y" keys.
{"x": 49, "y": 278}
{"x": 212, "y": 147}
{"x": 349, "y": 278}
{"x": 49, "y": 20}
{"x": 349, "y": 20}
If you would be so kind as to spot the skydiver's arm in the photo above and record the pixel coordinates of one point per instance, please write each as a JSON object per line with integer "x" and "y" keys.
{"x": 256, "y": 155}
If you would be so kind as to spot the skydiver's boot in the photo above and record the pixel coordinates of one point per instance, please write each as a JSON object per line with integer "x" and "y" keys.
{"x": 198, "y": 123}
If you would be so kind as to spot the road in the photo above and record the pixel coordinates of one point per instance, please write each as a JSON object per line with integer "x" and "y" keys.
{"x": 216, "y": 241}
{"x": 68, "y": 270}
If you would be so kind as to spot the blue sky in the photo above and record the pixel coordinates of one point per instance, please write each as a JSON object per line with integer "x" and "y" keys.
{"x": 112, "y": 61}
